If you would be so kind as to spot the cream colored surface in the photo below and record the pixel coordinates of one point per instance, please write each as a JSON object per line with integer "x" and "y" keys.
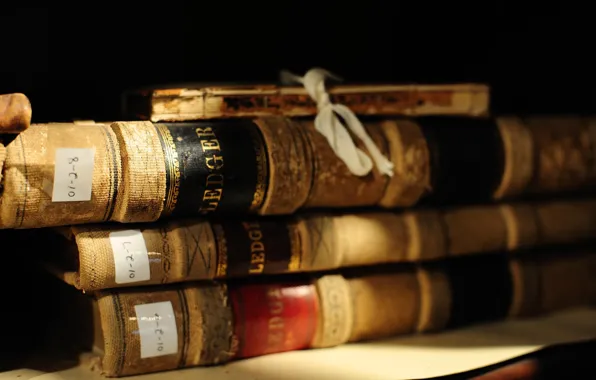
{"x": 413, "y": 357}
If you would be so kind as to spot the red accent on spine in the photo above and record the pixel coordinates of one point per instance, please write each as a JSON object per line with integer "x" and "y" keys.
{"x": 272, "y": 318}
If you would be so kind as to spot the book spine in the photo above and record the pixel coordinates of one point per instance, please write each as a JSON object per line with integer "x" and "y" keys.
{"x": 290, "y": 159}
{"x": 546, "y": 154}
{"x": 190, "y": 169}
{"x": 333, "y": 184}
{"x": 384, "y": 305}
{"x": 545, "y": 284}
{"x": 184, "y": 251}
{"x": 15, "y": 116}
{"x": 271, "y": 166}
{"x": 60, "y": 174}
{"x": 188, "y": 250}
{"x": 212, "y": 167}
{"x": 152, "y": 329}
{"x": 272, "y": 318}
{"x": 437, "y": 160}
{"x": 148, "y": 330}
{"x": 564, "y": 151}
{"x": 155, "y": 330}
{"x": 336, "y": 312}
{"x": 409, "y": 153}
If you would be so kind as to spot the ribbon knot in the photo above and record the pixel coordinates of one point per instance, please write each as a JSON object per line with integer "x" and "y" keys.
{"x": 329, "y": 125}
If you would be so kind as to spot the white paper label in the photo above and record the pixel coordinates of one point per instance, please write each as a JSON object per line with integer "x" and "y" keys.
{"x": 157, "y": 329}
{"x": 73, "y": 174}
{"x": 131, "y": 261}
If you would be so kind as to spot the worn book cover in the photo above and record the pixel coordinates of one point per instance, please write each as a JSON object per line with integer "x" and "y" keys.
{"x": 140, "y": 171}
{"x": 103, "y": 256}
{"x": 207, "y": 101}
{"x": 157, "y": 328}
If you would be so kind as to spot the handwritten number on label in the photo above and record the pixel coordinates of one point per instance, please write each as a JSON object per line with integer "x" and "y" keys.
{"x": 158, "y": 331}
{"x": 129, "y": 258}
{"x": 73, "y": 176}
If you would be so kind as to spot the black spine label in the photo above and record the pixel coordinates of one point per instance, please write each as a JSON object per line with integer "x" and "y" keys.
{"x": 213, "y": 167}
{"x": 258, "y": 247}
{"x": 481, "y": 288}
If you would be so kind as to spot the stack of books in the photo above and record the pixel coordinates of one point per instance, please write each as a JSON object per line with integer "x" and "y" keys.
{"x": 221, "y": 223}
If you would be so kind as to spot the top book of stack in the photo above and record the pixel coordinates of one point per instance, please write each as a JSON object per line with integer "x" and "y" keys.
{"x": 198, "y": 102}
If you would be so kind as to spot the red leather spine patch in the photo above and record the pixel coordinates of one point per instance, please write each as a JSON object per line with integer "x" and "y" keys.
{"x": 270, "y": 318}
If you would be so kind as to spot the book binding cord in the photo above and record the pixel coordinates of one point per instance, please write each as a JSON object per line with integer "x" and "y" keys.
{"x": 329, "y": 125}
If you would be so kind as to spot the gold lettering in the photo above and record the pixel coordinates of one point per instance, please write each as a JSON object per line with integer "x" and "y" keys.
{"x": 211, "y": 199}
{"x": 257, "y": 246}
{"x": 276, "y": 307}
{"x": 276, "y": 335}
{"x": 276, "y": 321}
{"x": 204, "y": 132}
{"x": 257, "y": 258}
{"x": 210, "y": 145}
{"x": 214, "y": 162}
{"x": 274, "y": 293}
{"x": 214, "y": 182}
{"x": 212, "y": 195}
{"x": 258, "y": 269}
{"x": 255, "y": 235}
{"x": 215, "y": 179}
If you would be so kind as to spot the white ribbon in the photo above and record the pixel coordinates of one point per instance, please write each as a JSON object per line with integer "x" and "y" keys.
{"x": 329, "y": 125}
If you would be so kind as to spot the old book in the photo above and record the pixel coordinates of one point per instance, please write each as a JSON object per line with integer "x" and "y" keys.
{"x": 93, "y": 257}
{"x": 15, "y": 113}
{"x": 195, "y": 102}
{"x": 151, "y": 329}
{"x": 399, "y": 358}
{"x": 60, "y": 174}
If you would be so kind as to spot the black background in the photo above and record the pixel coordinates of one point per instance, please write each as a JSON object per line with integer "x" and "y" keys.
{"x": 74, "y": 60}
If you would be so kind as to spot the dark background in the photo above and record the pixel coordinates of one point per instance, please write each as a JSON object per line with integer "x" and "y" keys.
{"x": 74, "y": 62}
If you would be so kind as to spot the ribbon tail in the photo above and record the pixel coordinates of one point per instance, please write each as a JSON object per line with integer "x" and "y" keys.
{"x": 320, "y": 74}
{"x": 384, "y": 165}
{"x": 328, "y": 124}
{"x": 341, "y": 142}
{"x": 287, "y": 78}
